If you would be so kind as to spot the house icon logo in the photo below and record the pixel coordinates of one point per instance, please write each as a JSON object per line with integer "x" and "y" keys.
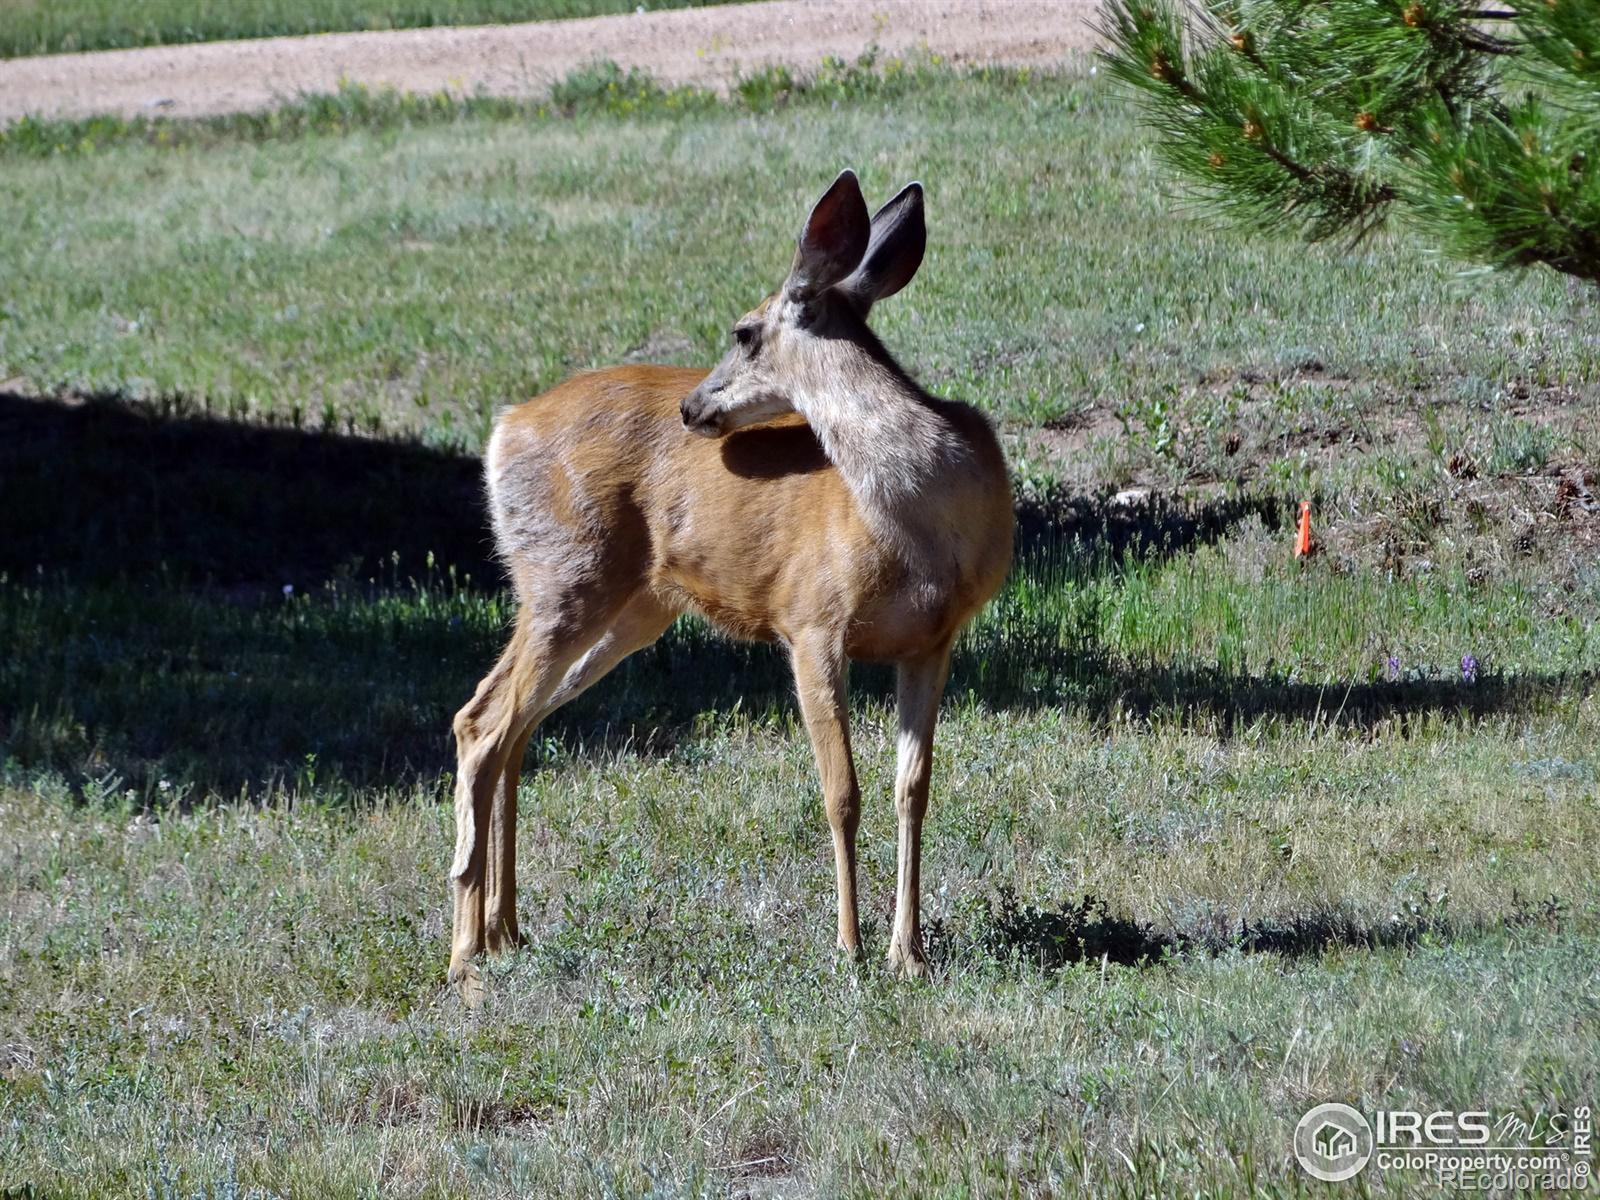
{"x": 1333, "y": 1142}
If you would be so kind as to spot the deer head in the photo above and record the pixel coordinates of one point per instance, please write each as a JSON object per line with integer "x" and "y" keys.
{"x": 810, "y": 336}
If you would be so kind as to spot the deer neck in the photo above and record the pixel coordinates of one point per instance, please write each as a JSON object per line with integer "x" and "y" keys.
{"x": 893, "y": 451}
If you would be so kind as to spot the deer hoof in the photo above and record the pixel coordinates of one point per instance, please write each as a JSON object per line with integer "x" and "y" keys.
{"x": 468, "y": 983}
{"x": 907, "y": 962}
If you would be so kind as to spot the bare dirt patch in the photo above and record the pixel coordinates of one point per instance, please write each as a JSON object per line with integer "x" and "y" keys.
{"x": 709, "y": 47}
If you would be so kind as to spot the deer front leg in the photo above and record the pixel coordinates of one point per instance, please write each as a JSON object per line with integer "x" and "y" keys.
{"x": 820, "y": 679}
{"x": 919, "y": 686}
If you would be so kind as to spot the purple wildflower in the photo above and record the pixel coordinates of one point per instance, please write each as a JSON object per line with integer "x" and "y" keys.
{"x": 1391, "y": 668}
{"x": 1469, "y": 668}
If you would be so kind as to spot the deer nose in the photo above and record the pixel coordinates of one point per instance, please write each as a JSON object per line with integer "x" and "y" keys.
{"x": 695, "y": 420}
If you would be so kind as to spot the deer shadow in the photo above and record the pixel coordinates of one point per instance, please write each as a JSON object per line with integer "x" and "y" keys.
{"x": 1002, "y": 929}
{"x": 146, "y": 551}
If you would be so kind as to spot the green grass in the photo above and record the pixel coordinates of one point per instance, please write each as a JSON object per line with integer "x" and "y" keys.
{"x": 67, "y": 26}
{"x": 1215, "y": 835}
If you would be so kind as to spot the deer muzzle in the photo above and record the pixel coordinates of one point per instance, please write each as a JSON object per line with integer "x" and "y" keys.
{"x": 700, "y": 416}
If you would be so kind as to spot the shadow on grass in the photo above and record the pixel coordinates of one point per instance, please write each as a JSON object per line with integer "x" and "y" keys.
{"x": 99, "y": 490}
{"x": 1228, "y": 701}
{"x": 150, "y": 637}
{"x": 1111, "y": 534}
{"x": 1004, "y": 930}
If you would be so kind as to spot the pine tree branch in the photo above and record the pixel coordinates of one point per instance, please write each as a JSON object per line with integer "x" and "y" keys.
{"x": 1328, "y": 116}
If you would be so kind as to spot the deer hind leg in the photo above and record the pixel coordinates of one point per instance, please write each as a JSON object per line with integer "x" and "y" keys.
{"x": 491, "y": 725}
{"x": 641, "y": 622}
{"x": 500, "y": 865}
{"x": 820, "y": 680}
{"x": 919, "y": 686}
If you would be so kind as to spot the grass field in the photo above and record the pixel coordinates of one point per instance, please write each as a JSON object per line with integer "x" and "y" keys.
{"x": 65, "y": 26}
{"x": 1215, "y": 836}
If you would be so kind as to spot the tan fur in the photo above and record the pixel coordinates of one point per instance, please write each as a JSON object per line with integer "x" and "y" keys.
{"x": 872, "y": 522}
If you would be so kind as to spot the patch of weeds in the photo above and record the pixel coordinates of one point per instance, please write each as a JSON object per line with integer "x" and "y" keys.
{"x": 837, "y": 80}
{"x": 1519, "y": 447}
{"x": 1153, "y": 418}
{"x": 604, "y": 87}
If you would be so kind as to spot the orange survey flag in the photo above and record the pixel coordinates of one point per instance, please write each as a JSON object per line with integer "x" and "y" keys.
{"x": 1302, "y": 543}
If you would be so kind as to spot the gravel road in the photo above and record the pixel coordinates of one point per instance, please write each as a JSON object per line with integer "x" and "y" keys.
{"x": 706, "y": 46}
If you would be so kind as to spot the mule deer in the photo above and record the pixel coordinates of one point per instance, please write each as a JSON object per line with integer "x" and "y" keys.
{"x": 829, "y": 503}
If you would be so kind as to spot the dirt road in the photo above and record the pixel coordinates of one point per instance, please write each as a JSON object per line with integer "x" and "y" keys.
{"x": 707, "y": 46}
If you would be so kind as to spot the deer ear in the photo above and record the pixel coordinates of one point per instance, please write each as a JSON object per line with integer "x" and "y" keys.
{"x": 894, "y": 250}
{"x": 833, "y": 240}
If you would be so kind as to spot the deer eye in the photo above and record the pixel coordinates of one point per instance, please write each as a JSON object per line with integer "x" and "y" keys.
{"x": 745, "y": 335}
